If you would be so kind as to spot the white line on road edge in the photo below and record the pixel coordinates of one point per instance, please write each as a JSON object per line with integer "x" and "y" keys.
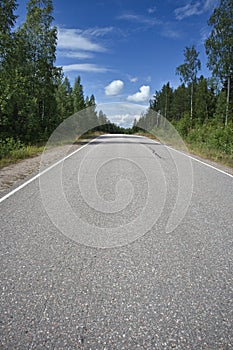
{"x": 199, "y": 161}
{"x": 43, "y": 172}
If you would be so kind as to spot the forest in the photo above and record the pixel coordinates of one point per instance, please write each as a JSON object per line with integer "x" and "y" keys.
{"x": 36, "y": 96}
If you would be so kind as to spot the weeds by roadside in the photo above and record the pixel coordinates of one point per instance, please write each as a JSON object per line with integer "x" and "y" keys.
{"x": 12, "y": 151}
{"x": 202, "y": 149}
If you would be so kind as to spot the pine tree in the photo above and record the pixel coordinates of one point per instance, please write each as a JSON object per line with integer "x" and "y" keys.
{"x": 201, "y": 106}
{"x": 163, "y": 101}
{"x": 64, "y": 99}
{"x": 78, "y": 96}
{"x": 180, "y": 102}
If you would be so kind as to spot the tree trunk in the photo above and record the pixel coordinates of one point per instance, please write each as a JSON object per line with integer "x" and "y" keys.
{"x": 228, "y": 98}
{"x": 191, "y": 104}
{"x": 164, "y": 122}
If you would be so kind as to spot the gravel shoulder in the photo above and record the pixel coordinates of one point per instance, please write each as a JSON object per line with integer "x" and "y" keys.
{"x": 13, "y": 175}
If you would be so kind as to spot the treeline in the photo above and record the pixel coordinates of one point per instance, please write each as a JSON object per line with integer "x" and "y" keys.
{"x": 201, "y": 109}
{"x": 35, "y": 97}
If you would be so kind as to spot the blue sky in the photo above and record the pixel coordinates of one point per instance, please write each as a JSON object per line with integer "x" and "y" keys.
{"x": 125, "y": 50}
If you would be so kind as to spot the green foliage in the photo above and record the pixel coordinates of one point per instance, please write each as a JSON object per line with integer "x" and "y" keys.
{"x": 183, "y": 126}
{"x": 180, "y": 102}
{"x": 213, "y": 136}
{"x": 64, "y": 99}
{"x": 9, "y": 145}
{"x": 219, "y": 48}
{"x": 27, "y": 92}
{"x": 8, "y": 18}
{"x": 220, "y": 42}
{"x": 78, "y": 96}
{"x": 188, "y": 70}
{"x": 163, "y": 101}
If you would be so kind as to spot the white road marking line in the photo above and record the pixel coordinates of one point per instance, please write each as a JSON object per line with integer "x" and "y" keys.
{"x": 43, "y": 172}
{"x": 199, "y": 161}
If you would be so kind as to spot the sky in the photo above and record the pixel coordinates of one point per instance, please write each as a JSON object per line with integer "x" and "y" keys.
{"x": 125, "y": 50}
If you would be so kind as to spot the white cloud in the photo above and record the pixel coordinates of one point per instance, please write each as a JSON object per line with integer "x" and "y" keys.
{"x": 74, "y": 54}
{"x": 133, "y": 79}
{"x": 187, "y": 10}
{"x": 140, "y": 19}
{"x": 122, "y": 113}
{"x": 141, "y": 96}
{"x": 196, "y": 8}
{"x": 84, "y": 67}
{"x": 96, "y": 31}
{"x": 114, "y": 88}
{"x": 210, "y": 4}
{"x": 81, "y": 44}
{"x": 74, "y": 39}
{"x": 124, "y": 120}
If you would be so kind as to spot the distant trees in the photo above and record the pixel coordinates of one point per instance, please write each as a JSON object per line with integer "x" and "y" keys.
{"x": 174, "y": 104}
{"x": 162, "y": 101}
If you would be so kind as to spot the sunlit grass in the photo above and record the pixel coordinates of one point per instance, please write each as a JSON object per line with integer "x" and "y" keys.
{"x": 201, "y": 150}
{"x": 13, "y": 152}
{"x": 16, "y": 155}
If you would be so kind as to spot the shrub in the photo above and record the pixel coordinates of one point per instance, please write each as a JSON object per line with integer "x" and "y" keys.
{"x": 10, "y": 145}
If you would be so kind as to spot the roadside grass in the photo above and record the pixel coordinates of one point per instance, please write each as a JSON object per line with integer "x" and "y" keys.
{"x": 23, "y": 152}
{"x": 200, "y": 150}
{"x": 147, "y": 134}
{"x": 89, "y": 135}
{"x": 215, "y": 155}
{"x": 12, "y": 152}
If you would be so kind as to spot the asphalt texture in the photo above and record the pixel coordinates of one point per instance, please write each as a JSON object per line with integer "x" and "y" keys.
{"x": 126, "y": 244}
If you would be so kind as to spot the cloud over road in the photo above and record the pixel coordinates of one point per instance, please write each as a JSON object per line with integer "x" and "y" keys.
{"x": 142, "y": 95}
{"x": 114, "y": 88}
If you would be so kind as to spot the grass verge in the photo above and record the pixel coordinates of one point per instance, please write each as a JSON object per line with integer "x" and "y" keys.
{"x": 201, "y": 150}
{"x": 16, "y": 155}
{"x": 215, "y": 155}
{"x": 13, "y": 152}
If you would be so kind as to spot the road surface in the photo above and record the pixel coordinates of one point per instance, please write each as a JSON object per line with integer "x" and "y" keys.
{"x": 127, "y": 244}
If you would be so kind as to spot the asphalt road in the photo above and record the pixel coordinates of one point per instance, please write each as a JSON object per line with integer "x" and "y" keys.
{"x": 127, "y": 244}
